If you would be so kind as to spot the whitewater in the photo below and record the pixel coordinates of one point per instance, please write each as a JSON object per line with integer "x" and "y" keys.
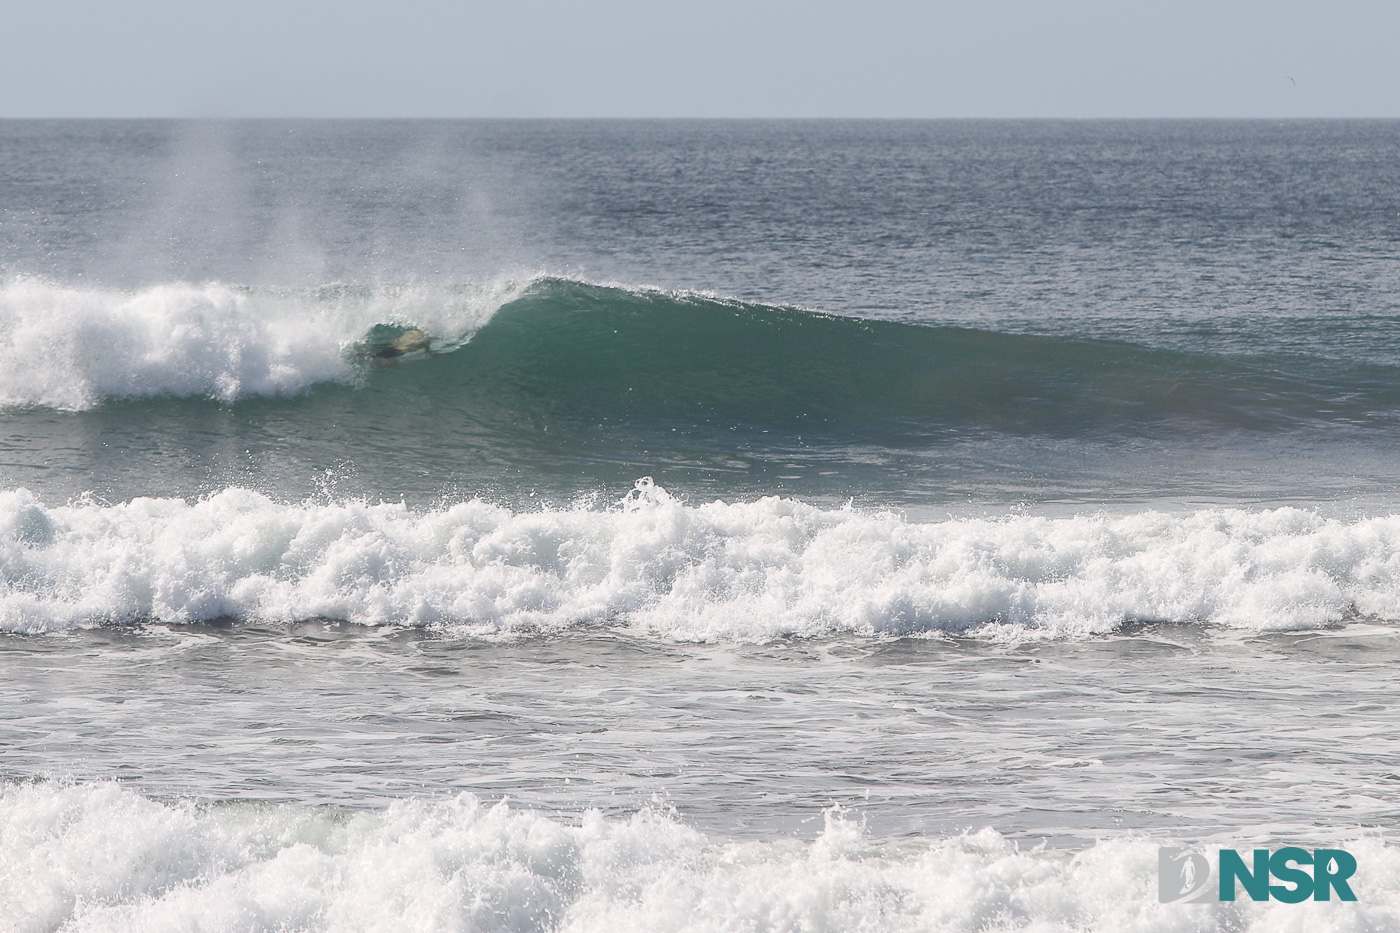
{"x": 73, "y": 348}
{"x": 457, "y": 864}
{"x": 693, "y": 526}
{"x": 747, "y": 571}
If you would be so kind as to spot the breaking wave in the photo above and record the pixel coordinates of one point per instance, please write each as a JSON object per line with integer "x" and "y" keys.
{"x": 73, "y": 348}
{"x": 574, "y": 354}
{"x": 659, "y": 567}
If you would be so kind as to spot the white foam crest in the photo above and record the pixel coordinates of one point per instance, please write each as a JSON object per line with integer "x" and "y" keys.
{"x": 714, "y": 571}
{"x": 69, "y": 347}
{"x": 101, "y": 859}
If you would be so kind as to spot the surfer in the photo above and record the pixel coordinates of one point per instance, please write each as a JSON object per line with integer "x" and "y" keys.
{"x": 410, "y": 341}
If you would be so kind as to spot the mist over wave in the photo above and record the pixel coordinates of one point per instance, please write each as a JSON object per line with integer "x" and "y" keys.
{"x": 714, "y": 571}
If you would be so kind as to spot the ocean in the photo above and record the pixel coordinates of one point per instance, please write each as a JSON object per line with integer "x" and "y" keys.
{"x": 694, "y": 526}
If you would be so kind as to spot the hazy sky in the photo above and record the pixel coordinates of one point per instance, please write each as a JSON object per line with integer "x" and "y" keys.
{"x": 628, "y": 58}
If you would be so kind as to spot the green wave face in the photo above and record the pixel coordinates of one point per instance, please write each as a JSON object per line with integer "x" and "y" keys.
{"x": 576, "y": 358}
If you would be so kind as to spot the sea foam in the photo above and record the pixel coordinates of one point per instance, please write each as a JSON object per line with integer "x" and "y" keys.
{"x": 655, "y": 565}
{"x": 99, "y": 857}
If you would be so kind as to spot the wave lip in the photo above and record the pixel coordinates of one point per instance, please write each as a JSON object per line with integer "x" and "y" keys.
{"x": 715, "y": 571}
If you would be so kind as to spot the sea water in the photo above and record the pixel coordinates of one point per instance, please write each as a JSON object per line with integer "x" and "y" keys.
{"x": 771, "y": 526}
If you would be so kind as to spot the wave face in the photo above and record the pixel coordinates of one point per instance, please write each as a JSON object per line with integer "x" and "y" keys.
{"x": 653, "y": 565}
{"x": 611, "y": 354}
{"x": 579, "y": 356}
{"x": 101, "y": 858}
